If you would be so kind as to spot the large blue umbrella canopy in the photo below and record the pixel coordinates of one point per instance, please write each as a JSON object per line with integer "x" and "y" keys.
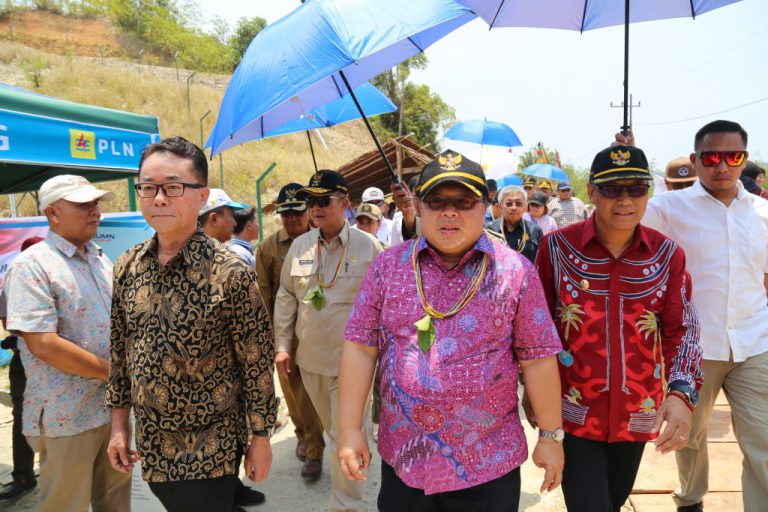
{"x": 485, "y": 133}
{"x": 341, "y": 110}
{"x": 546, "y": 172}
{"x": 306, "y": 59}
{"x": 509, "y": 179}
{"x": 584, "y": 15}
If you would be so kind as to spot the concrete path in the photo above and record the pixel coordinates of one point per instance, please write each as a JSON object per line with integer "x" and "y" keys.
{"x": 287, "y": 492}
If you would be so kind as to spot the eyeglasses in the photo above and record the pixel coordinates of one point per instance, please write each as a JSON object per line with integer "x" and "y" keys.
{"x": 378, "y": 202}
{"x": 713, "y": 158}
{"x": 528, "y": 187}
{"x": 460, "y": 203}
{"x": 322, "y": 201}
{"x": 291, "y": 213}
{"x": 173, "y": 189}
{"x": 616, "y": 191}
{"x": 510, "y": 204}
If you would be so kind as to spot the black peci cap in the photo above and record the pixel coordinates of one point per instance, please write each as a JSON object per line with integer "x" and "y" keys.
{"x": 291, "y": 198}
{"x": 619, "y": 163}
{"x": 452, "y": 167}
{"x": 326, "y": 183}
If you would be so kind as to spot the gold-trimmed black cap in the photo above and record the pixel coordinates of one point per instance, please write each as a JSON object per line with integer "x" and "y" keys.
{"x": 619, "y": 163}
{"x": 291, "y": 198}
{"x": 325, "y": 183}
{"x": 452, "y": 167}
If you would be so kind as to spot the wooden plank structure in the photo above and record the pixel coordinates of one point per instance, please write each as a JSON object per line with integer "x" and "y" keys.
{"x": 369, "y": 169}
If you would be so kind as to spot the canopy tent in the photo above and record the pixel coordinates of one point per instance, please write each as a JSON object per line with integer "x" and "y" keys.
{"x": 41, "y": 137}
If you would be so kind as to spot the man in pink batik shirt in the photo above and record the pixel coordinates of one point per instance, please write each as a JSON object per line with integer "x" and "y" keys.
{"x": 451, "y": 317}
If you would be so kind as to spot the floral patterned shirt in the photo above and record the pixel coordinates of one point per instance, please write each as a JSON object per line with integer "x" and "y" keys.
{"x": 626, "y": 323}
{"x": 192, "y": 354}
{"x": 449, "y": 417}
{"x": 51, "y": 287}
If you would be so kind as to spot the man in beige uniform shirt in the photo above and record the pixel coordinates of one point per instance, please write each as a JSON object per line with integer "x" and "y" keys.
{"x": 294, "y": 217}
{"x": 319, "y": 281}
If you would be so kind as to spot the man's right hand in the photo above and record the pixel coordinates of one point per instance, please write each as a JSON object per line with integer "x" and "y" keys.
{"x": 353, "y": 452}
{"x": 283, "y": 363}
{"x": 121, "y": 457}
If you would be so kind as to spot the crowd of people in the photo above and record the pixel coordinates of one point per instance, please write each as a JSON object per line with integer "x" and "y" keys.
{"x": 621, "y": 320}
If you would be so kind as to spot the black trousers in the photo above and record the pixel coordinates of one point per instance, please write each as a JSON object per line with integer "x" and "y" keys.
{"x": 213, "y": 494}
{"x": 598, "y": 476}
{"x": 23, "y": 456}
{"x": 500, "y": 495}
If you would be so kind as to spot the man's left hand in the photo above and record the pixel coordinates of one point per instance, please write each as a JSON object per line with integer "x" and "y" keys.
{"x": 258, "y": 460}
{"x": 678, "y": 418}
{"x": 549, "y": 455}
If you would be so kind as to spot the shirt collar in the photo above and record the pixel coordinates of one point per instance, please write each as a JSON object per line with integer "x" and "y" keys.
{"x": 69, "y": 249}
{"x": 343, "y": 236}
{"x": 698, "y": 190}
{"x": 283, "y": 236}
{"x": 244, "y": 243}
{"x": 589, "y": 233}
{"x": 197, "y": 242}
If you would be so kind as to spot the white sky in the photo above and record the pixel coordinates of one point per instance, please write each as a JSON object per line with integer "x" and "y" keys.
{"x": 556, "y": 86}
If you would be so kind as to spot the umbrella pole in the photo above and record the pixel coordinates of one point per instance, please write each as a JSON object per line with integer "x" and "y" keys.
{"x": 625, "y": 127}
{"x": 312, "y": 150}
{"x": 393, "y": 174}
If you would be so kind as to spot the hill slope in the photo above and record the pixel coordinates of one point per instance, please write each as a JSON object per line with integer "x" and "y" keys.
{"x": 123, "y": 85}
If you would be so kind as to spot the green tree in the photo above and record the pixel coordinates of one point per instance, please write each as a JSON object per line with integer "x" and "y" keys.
{"x": 246, "y": 30}
{"x": 420, "y": 110}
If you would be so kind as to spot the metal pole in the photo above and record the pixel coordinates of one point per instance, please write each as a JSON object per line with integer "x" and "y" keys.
{"x": 131, "y": 195}
{"x": 12, "y": 204}
{"x": 625, "y": 126}
{"x": 221, "y": 171}
{"x": 393, "y": 174}
{"x": 202, "y": 140}
{"x": 176, "y": 63}
{"x": 258, "y": 198}
{"x": 312, "y": 150}
{"x": 189, "y": 101}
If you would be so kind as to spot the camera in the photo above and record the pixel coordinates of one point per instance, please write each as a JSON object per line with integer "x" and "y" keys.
{"x": 10, "y": 343}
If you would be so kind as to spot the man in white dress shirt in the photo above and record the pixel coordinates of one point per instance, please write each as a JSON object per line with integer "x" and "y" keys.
{"x": 724, "y": 232}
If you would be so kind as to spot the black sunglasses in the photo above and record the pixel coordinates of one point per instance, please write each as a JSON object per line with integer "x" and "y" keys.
{"x": 321, "y": 201}
{"x": 440, "y": 203}
{"x": 615, "y": 191}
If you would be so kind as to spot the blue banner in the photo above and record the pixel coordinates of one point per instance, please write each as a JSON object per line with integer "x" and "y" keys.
{"x": 68, "y": 142}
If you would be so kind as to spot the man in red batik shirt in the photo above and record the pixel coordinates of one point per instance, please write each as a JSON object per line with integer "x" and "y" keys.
{"x": 620, "y": 297}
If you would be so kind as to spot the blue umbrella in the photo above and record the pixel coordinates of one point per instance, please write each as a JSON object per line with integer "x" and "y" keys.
{"x": 584, "y": 15}
{"x": 336, "y": 112}
{"x": 546, "y": 172}
{"x": 321, "y": 51}
{"x": 510, "y": 179}
{"x": 485, "y": 133}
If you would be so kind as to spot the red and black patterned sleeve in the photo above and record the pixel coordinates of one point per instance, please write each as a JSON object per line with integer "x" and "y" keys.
{"x": 680, "y": 330}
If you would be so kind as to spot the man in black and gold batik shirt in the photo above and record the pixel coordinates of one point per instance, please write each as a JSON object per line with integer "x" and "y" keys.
{"x": 191, "y": 348}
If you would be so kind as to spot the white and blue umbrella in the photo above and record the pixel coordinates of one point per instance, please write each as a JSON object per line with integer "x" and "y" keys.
{"x": 584, "y": 15}
{"x": 322, "y": 50}
{"x": 546, "y": 172}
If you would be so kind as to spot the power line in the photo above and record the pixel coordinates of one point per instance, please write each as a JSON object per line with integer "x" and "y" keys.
{"x": 705, "y": 115}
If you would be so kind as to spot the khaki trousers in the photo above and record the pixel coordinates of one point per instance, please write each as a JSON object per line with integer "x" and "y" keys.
{"x": 346, "y": 496}
{"x": 75, "y": 472}
{"x": 308, "y": 427}
{"x": 746, "y": 387}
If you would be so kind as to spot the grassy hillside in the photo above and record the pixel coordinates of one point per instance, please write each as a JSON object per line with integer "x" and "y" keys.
{"x": 123, "y": 85}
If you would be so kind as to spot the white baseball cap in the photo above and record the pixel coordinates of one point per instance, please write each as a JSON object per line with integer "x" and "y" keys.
{"x": 72, "y": 188}
{"x": 219, "y": 198}
{"x": 373, "y": 194}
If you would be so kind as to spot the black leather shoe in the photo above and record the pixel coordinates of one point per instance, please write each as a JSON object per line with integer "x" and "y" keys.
{"x": 17, "y": 488}
{"x": 246, "y": 497}
{"x": 696, "y": 507}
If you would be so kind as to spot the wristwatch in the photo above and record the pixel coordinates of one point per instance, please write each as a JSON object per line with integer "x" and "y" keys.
{"x": 686, "y": 389}
{"x": 264, "y": 433}
{"x": 556, "y": 435}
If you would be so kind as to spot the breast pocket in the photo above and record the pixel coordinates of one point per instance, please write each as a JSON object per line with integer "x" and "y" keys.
{"x": 351, "y": 276}
{"x": 303, "y": 277}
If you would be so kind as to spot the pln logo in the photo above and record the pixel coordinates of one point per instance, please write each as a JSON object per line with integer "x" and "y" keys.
{"x": 82, "y": 144}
